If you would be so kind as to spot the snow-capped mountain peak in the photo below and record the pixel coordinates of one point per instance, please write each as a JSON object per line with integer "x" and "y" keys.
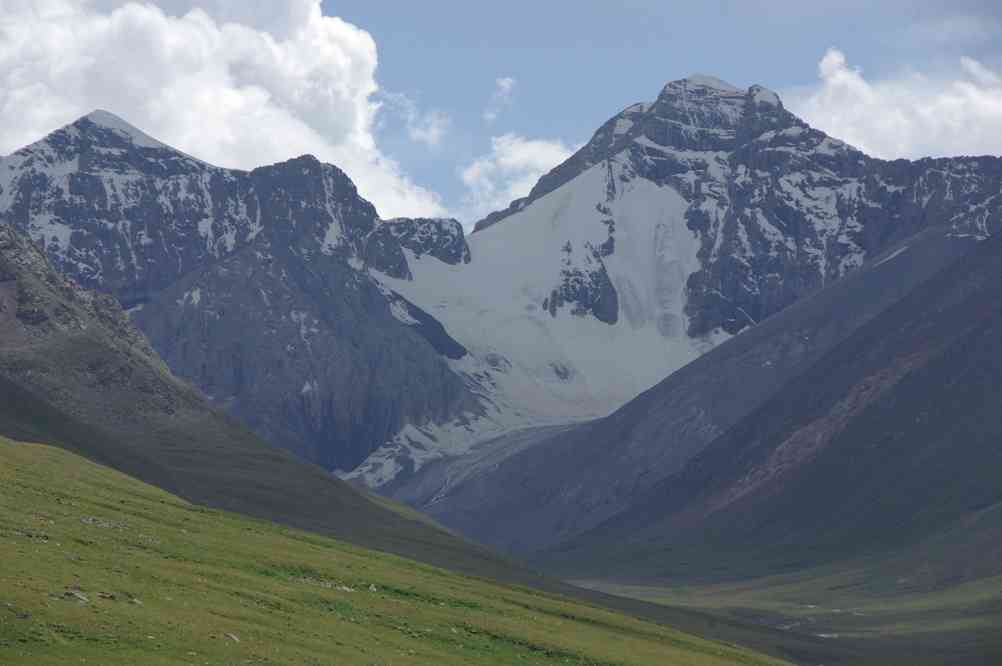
{"x": 682, "y": 222}
{"x": 132, "y": 134}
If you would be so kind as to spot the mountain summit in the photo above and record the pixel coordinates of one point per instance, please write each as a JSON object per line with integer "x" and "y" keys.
{"x": 109, "y": 121}
{"x": 696, "y": 113}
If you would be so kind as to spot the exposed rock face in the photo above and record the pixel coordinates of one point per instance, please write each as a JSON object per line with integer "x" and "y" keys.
{"x": 248, "y": 283}
{"x": 442, "y": 239}
{"x": 587, "y": 289}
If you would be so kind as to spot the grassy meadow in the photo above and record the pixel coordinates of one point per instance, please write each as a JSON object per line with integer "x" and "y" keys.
{"x": 99, "y": 568}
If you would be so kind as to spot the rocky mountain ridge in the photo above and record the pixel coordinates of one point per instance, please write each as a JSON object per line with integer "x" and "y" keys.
{"x": 252, "y": 285}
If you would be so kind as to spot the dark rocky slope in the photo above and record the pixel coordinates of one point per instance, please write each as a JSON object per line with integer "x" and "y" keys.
{"x": 884, "y": 445}
{"x": 249, "y": 284}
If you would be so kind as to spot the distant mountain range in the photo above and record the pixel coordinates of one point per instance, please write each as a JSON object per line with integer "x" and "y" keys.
{"x": 593, "y": 346}
{"x": 373, "y": 347}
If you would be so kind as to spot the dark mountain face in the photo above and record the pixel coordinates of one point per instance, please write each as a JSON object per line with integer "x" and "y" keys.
{"x": 248, "y": 283}
{"x": 888, "y": 440}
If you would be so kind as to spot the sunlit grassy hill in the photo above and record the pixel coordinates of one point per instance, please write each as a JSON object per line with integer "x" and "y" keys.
{"x": 100, "y": 568}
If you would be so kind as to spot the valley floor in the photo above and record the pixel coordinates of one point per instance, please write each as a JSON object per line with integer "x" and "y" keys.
{"x": 99, "y": 568}
{"x": 862, "y": 620}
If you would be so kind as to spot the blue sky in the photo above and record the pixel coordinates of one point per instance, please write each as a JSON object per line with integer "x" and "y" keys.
{"x": 454, "y": 108}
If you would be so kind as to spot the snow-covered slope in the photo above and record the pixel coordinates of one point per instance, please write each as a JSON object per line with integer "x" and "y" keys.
{"x": 559, "y": 325}
{"x": 681, "y": 223}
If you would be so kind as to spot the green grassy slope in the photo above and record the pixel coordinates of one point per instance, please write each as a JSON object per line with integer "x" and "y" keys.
{"x": 74, "y": 373}
{"x": 101, "y": 568}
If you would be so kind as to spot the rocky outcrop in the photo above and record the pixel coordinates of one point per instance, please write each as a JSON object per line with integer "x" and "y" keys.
{"x": 586, "y": 289}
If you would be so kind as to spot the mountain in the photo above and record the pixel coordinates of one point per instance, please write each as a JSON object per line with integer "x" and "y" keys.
{"x": 857, "y": 235}
{"x": 883, "y": 445}
{"x": 251, "y": 285}
{"x": 682, "y": 223}
{"x": 375, "y": 347}
{"x": 572, "y": 478}
{"x": 74, "y": 372}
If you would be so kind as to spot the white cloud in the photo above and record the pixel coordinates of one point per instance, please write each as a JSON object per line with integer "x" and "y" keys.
{"x": 427, "y": 127}
{"x": 508, "y": 172}
{"x": 911, "y": 115}
{"x": 504, "y": 89}
{"x": 238, "y": 83}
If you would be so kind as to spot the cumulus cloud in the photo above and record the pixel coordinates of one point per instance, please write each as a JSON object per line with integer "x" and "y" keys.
{"x": 508, "y": 172}
{"x": 504, "y": 89}
{"x": 427, "y": 127}
{"x": 238, "y": 83}
{"x": 911, "y": 115}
